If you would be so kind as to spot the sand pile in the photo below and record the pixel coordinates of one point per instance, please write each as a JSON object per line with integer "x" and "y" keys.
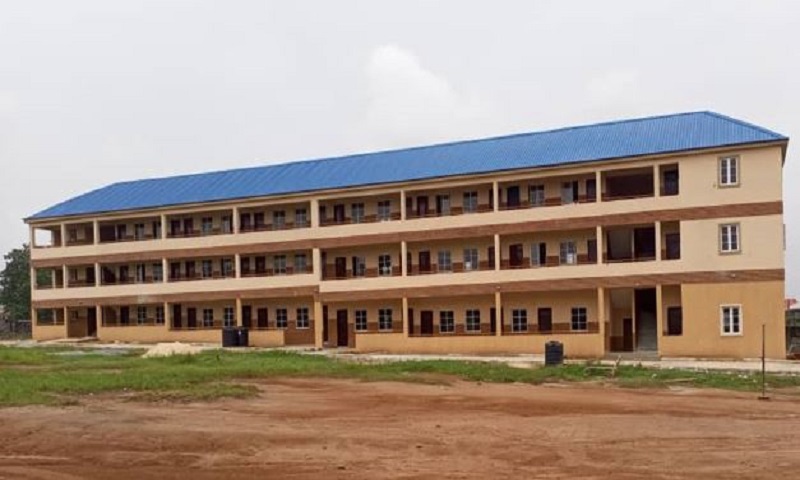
{"x": 169, "y": 349}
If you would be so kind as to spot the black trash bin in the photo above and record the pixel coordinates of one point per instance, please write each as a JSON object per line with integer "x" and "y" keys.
{"x": 553, "y": 353}
{"x": 243, "y": 337}
{"x": 230, "y": 337}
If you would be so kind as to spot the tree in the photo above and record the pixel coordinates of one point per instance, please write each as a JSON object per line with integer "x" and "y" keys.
{"x": 15, "y": 284}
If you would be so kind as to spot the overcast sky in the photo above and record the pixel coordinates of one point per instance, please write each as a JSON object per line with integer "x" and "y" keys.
{"x": 93, "y": 92}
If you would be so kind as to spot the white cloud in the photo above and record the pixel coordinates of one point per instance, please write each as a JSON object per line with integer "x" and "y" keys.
{"x": 408, "y": 104}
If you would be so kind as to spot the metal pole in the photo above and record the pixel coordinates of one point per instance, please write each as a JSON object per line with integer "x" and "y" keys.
{"x": 763, "y": 363}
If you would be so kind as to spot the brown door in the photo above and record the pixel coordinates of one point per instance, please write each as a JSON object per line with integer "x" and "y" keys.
{"x": 176, "y": 316}
{"x": 90, "y": 276}
{"x": 325, "y": 334}
{"x": 188, "y": 227}
{"x": 174, "y": 270}
{"x": 263, "y": 318}
{"x": 591, "y": 249}
{"x": 545, "y": 319}
{"x": 627, "y": 334}
{"x": 338, "y": 213}
{"x": 190, "y": 270}
{"x": 341, "y": 267}
{"x": 493, "y": 320}
{"x": 490, "y": 256}
{"x": 91, "y": 322}
{"x": 515, "y": 255}
{"x": 512, "y": 196}
{"x": 644, "y": 243}
{"x": 411, "y": 321}
{"x": 426, "y": 322}
{"x": 191, "y": 317}
{"x": 425, "y": 261}
{"x": 422, "y": 206}
{"x": 341, "y": 328}
{"x": 247, "y": 316}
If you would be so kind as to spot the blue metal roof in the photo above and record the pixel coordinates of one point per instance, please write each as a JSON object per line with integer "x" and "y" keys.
{"x": 624, "y": 138}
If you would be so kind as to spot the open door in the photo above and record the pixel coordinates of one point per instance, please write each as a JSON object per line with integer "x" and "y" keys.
{"x": 91, "y": 322}
{"x": 341, "y": 328}
{"x": 426, "y": 323}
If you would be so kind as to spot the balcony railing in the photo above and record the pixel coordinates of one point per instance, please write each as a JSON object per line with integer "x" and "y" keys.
{"x": 327, "y": 222}
{"x": 131, "y": 280}
{"x": 550, "y": 261}
{"x": 547, "y": 202}
{"x": 456, "y": 267}
{"x": 216, "y": 275}
{"x": 75, "y": 242}
{"x": 80, "y": 283}
{"x": 272, "y": 272}
{"x": 133, "y": 322}
{"x": 199, "y": 233}
{"x": 453, "y": 211}
{"x": 330, "y": 273}
{"x": 271, "y": 227}
{"x": 130, "y": 238}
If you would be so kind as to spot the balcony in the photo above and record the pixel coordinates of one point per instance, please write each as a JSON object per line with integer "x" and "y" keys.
{"x": 206, "y": 269}
{"x": 445, "y": 203}
{"x": 200, "y": 225}
{"x": 549, "y": 249}
{"x": 80, "y": 234}
{"x": 359, "y": 210}
{"x": 630, "y": 244}
{"x": 130, "y": 274}
{"x": 628, "y": 184}
{"x": 136, "y": 230}
{"x": 294, "y": 263}
{"x": 548, "y": 192}
{"x": 284, "y": 217}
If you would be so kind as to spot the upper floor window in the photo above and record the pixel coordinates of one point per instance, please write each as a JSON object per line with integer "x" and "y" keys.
{"x": 138, "y": 231}
{"x": 536, "y": 195}
{"x": 447, "y": 322}
{"x": 278, "y": 219}
{"x": 361, "y": 320}
{"x": 729, "y": 238}
{"x": 569, "y": 192}
{"x": 538, "y": 254}
{"x": 579, "y": 320}
{"x": 303, "y": 320}
{"x": 568, "y": 254}
{"x": 301, "y": 217}
{"x": 729, "y": 171}
{"x": 300, "y": 263}
{"x": 279, "y": 264}
{"x": 208, "y": 268}
{"x": 158, "y": 272}
{"x": 140, "y": 272}
{"x": 470, "y": 259}
{"x": 384, "y": 210}
{"x": 207, "y": 225}
{"x": 227, "y": 267}
{"x": 443, "y": 204}
{"x": 227, "y": 224}
{"x": 470, "y": 202}
{"x": 159, "y": 315}
{"x": 731, "y": 319}
{"x": 445, "y": 261}
{"x": 385, "y": 265}
{"x": 359, "y": 266}
{"x": 357, "y": 212}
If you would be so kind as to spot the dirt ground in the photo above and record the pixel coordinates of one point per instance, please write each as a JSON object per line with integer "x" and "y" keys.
{"x": 346, "y": 429}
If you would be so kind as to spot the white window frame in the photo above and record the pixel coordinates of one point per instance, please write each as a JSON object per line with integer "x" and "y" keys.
{"x": 729, "y": 171}
{"x": 447, "y": 321}
{"x": 731, "y": 333}
{"x": 444, "y": 261}
{"x": 279, "y": 265}
{"x": 536, "y": 195}
{"x": 228, "y": 317}
{"x": 357, "y": 213}
{"x": 470, "y": 202}
{"x": 210, "y": 272}
{"x": 517, "y": 316}
{"x": 580, "y": 312}
{"x": 472, "y": 259}
{"x": 568, "y": 252}
{"x": 731, "y": 231}
{"x": 158, "y": 272}
{"x": 300, "y": 217}
{"x": 384, "y": 210}
{"x": 361, "y": 321}
{"x": 361, "y": 267}
{"x": 472, "y": 320}
{"x": 303, "y": 318}
{"x": 282, "y": 318}
{"x": 208, "y": 317}
{"x": 207, "y": 225}
{"x": 228, "y": 269}
{"x": 385, "y": 315}
{"x": 138, "y": 231}
{"x": 385, "y": 265}
{"x": 300, "y": 263}
{"x": 278, "y": 219}
{"x": 536, "y": 260}
{"x": 444, "y": 202}
{"x": 141, "y": 272}
{"x": 141, "y": 315}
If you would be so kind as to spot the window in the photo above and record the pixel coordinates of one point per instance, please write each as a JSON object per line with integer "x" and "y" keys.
{"x": 447, "y": 323}
{"x": 569, "y": 192}
{"x": 138, "y": 231}
{"x": 385, "y": 319}
{"x": 442, "y": 205}
{"x": 568, "y": 254}
{"x": 519, "y": 320}
{"x": 729, "y": 171}
{"x": 141, "y": 315}
{"x": 729, "y": 238}
{"x": 674, "y": 321}
{"x": 300, "y": 263}
{"x": 579, "y": 321}
{"x": 538, "y": 254}
{"x": 300, "y": 217}
{"x": 73, "y": 235}
{"x": 473, "y": 320}
{"x": 228, "y": 318}
{"x": 279, "y": 264}
{"x": 281, "y": 318}
{"x": 357, "y": 212}
{"x": 157, "y": 229}
{"x": 208, "y": 317}
{"x": 385, "y": 265}
{"x": 384, "y": 210}
{"x": 470, "y": 202}
{"x": 159, "y": 315}
{"x": 208, "y": 269}
{"x": 158, "y": 272}
{"x": 445, "y": 261}
{"x": 731, "y": 319}
{"x": 471, "y": 259}
{"x": 359, "y": 266}
{"x": 141, "y": 271}
{"x": 536, "y": 195}
{"x": 278, "y": 220}
{"x": 258, "y": 221}
{"x": 227, "y": 267}
{"x": 227, "y": 224}
{"x": 361, "y": 320}
{"x": 207, "y": 226}
{"x": 302, "y": 318}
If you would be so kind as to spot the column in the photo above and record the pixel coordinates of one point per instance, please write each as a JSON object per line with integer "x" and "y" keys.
{"x": 237, "y": 265}
{"x": 63, "y": 234}
{"x": 163, "y": 226}
{"x": 658, "y": 240}
{"x": 65, "y": 272}
{"x": 404, "y": 257}
{"x": 97, "y": 280}
{"x": 238, "y": 311}
{"x": 316, "y": 263}
{"x": 497, "y": 253}
{"x": 656, "y": 182}
{"x": 402, "y": 205}
{"x": 600, "y": 244}
{"x": 598, "y": 178}
{"x": 66, "y": 321}
{"x": 99, "y": 312}
{"x": 314, "y": 213}
{"x": 659, "y": 316}
{"x": 601, "y": 317}
{"x": 235, "y": 219}
{"x": 498, "y": 313}
{"x": 405, "y": 316}
{"x": 496, "y": 196}
{"x": 52, "y": 277}
{"x": 318, "y": 327}
{"x": 165, "y": 270}
{"x": 96, "y": 231}
{"x": 167, "y": 316}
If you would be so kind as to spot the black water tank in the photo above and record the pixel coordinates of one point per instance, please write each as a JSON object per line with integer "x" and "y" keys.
{"x": 243, "y": 337}
{"x": 553, "y": 353}
{"x": 230, "y": 337}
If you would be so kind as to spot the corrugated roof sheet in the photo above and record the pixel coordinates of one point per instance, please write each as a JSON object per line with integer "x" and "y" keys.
{"x": 625, "y": 138}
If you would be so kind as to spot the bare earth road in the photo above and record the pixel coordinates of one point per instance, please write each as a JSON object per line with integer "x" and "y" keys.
{"x": 324, "y": 429}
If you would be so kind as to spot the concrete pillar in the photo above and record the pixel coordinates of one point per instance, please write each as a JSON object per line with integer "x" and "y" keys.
{"x": 235, "y": 219}
{"x": 402, "y": 205}
{"x": 659, "y": 316}
{"x": 656, "y": 182}
{"x": 66, "y": 321}
{"x": 99, "y": 312}
{"x": 163, "y": 226}
{"x": 238, "y": 311}
{"x": 658, "y": 240}
{"x": 63, "y": 234}
{"x": 318, "y": 321}
{"x": 97, "y": 280}
{"x": 165, "y": 270}
{"x": 600, "y": 244}
{"x": 404, "y": 257}
{"x": 498, "y": 307}
{"x": 405, "y": 316}
{"x": 314, "y": 213}
{"x": 65, "y": 272}
{"x": 496, "y": 196}
{"x": 598, "y": 176}
{"x": 497, "y": 252}
{"x": 237, "y": 265}
{"x": 167, "y": 316}
{"x": 96, "y": 231}
{"x": 601, "y": 316}
{"x": 316, "y": 263}
{"x": 52, "y": 277}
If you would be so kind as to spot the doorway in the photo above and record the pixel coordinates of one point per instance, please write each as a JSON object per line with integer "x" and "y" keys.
{"x": 91, "y": 322}
{"x": 424, "y": 262}
{"x": 645, "y": 317}
{"x": 512, "y": 196}
{"x": 341, "y": 328}
{"x": 426, "y": 322}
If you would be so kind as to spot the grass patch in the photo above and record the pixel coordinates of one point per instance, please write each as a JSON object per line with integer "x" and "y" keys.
{"x": 59, "y": 375}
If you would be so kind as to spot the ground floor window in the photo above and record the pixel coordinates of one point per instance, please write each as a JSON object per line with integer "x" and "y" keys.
{"x": 281, "y": 318}
{"x": 385, "y": 319}
{"x": 361, "y": 320}
{"x": 579, "y": 320}
{"x": 519, "y": 320}
{"x": 208, "y": 317}
{"x": 674, "y": 321}
{"x": 302, "y": 318}
{"x": 731, "y": 319}
{"x": 141, "y": 315}
{"x": 159, "y": 315}
{"x": 228, "y": 317}
{"x": 447, "y": 322}
{"x": 473, "y": 320}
